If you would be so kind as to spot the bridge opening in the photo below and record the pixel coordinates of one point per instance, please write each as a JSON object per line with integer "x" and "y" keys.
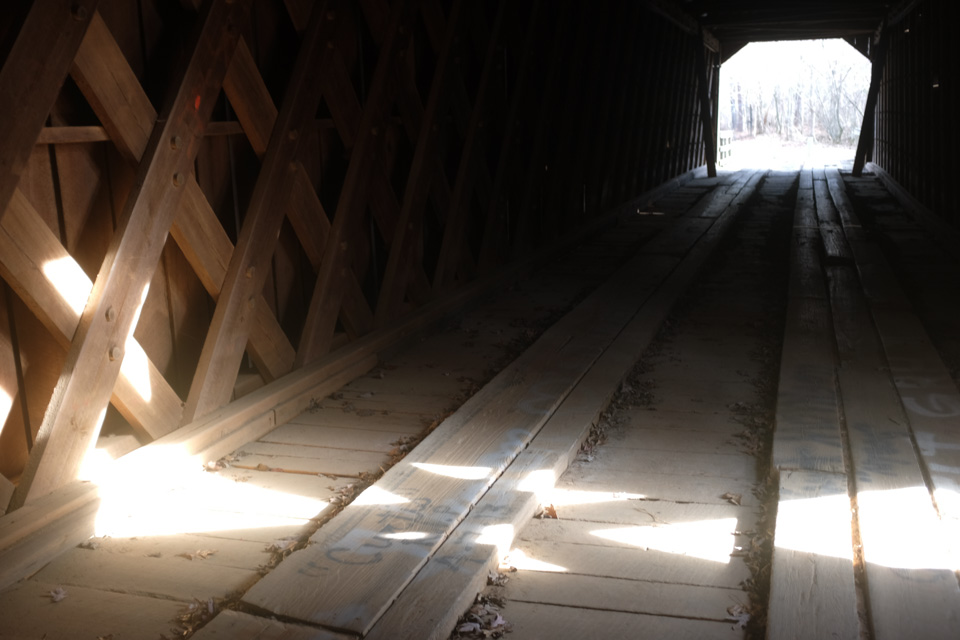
{"x": 789, "y": 103}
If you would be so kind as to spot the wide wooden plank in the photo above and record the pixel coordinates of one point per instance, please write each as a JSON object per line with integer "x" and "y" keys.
{"x": 365, "y": 419}
{"x": 30, "y": 80}
{"x": 592, "y": 556}
{"x": 28, "y": 612}
{"x": 31, "y": 535}
{"x": 429, "y": 605}
{"x": 235, "y": 625}
{"x": 166, "y": 576}
{"x": 514, "y": 405}
{"x": 93, "y": 361}
{"x": 812, "y": 591}
{"x": 654, "y": 486}
{"x": 229, "y": 329}
{"x": 617, "y": 594}
{"x": 333, "y": 437}
{"x": 894, "y": 503}
{"x": 807, "y": 432}
{"x": 543, "y": 621}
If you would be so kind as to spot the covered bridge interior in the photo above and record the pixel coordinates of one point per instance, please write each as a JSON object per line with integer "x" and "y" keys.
{"x": 401, "y": 274}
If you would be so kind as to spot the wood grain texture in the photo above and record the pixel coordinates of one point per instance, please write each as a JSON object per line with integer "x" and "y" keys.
{"x": 84, "y": 390}
{"x": 893, "y": 501}
{"x": 114, "y": 92}
{"x": 30, "y": 80}
{"x": 812, "y": 592}
{"x": 230, "y": 327}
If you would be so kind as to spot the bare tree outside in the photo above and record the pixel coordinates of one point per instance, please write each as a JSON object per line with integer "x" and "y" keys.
{"x": 807, "y": 93}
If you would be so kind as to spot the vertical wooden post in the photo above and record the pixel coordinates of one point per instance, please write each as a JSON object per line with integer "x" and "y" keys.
{"x": 709, "y": 139}
{"x": 865, "y": 143}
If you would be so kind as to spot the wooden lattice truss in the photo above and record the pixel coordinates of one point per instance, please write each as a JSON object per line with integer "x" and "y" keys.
{"x": 477, "y": 138}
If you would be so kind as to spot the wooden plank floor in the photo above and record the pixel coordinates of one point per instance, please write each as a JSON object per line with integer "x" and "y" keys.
{"x": 809, "y": 374}
{"x": 206, "y": 537}
{"x": 645, "y": 543}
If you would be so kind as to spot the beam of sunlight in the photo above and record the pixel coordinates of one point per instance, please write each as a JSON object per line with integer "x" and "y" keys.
{"x": 948, "y": 503}
{"x": 6, "y": 402}
{"x": 521, "y": 561}
{"x": 70, "y": 282}
{"x": 454, "y": 471}
{"x": 134, "y": 368}
{"x": 816, "y": 525}
{"x": 499, "y": 536}
{"x": 405, "y": 535}
{"x": 706, "y": 539}
{"x": 540, "y": 483}
{"x": 374, "y": 495}
{"x": 160, "y": 490}
{"x": 900, "y": 529}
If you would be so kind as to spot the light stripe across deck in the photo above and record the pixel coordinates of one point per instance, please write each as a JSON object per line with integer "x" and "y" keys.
{"x": 893, "y": 501}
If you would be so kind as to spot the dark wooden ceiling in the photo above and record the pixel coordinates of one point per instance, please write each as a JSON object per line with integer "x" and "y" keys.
{"x": 756, "y": 20}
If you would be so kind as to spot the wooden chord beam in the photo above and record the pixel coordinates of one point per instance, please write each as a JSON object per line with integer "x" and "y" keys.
{"x": 73, "y": 418}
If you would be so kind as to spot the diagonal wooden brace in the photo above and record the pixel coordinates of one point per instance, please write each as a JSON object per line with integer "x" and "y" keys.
{"x": 75, "y": 412}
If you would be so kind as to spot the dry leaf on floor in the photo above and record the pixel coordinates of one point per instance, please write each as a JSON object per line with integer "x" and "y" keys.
{"x": 58, "y": 594}
{"x": 737, "y": 613}
{"x": 732, "y": 498}
{"x": 202, "y": 554}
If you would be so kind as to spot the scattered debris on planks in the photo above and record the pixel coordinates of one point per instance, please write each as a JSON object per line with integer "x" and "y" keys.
{"x": 57, "y": 594}
{"x": 482, "y": 620}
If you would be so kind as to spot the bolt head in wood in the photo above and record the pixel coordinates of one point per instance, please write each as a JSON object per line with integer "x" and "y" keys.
{"x": 115, "y": 353}
{"x": 250, "y": 271}
{"x": 111, "y": 314}
{"x": 178, "y": 179}
{"x": 176, "y": 142}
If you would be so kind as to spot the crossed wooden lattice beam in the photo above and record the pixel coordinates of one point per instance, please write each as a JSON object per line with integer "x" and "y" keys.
{"x": 169, "y": 200}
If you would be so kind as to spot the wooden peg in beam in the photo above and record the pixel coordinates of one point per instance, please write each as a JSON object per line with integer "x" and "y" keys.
{"x": 75, "y": 413}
